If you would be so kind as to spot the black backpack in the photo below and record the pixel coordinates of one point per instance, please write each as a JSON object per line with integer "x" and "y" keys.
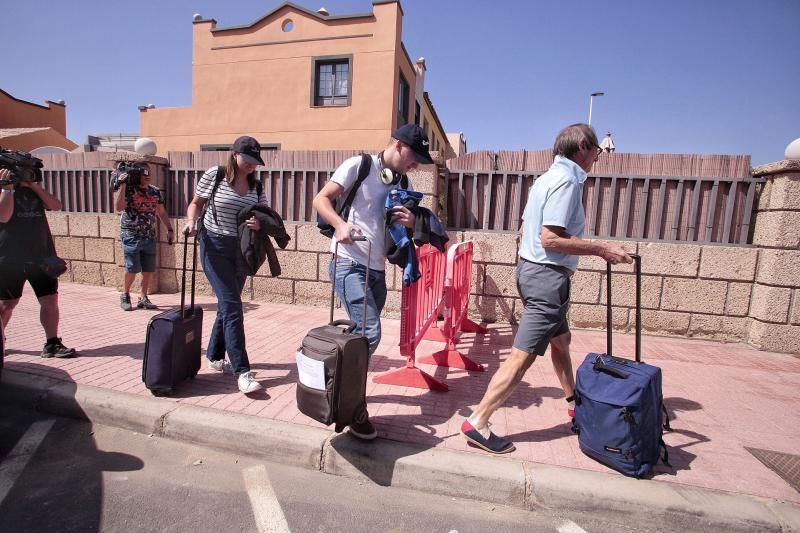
{"x": 343, "y": 208}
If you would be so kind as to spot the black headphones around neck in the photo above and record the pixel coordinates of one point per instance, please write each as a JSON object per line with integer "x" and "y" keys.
{"x": 387, "y": 175}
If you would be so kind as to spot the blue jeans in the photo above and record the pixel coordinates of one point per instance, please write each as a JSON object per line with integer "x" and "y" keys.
{"x": 139, "y": 252}
{"x": 349, "y": 286}
{"x": 219, "y": 256}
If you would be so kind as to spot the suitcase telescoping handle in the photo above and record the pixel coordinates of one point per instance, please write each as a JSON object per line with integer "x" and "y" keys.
{"x": 183, "y": 274}
{"x": 637, "y": 263}
{"x": 355, "y": 237}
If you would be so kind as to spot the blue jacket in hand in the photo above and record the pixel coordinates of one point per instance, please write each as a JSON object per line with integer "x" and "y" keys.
{"x": 399, "y": 233}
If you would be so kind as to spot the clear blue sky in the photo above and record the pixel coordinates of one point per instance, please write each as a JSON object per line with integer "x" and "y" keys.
{"x": 687, "y": 76}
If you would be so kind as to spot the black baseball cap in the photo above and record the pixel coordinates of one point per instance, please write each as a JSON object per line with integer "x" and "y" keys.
{"x": 250, "y": 150}
{"x": 416, "y": 138}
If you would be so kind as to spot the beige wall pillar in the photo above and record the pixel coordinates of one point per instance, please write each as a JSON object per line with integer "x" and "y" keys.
{"x": 159, "y": 170}
{"x": 775, "y": 306}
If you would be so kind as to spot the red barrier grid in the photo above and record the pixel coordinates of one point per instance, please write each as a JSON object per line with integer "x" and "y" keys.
{"x": 419, "y": 307}
{"x": 457, "y": 287}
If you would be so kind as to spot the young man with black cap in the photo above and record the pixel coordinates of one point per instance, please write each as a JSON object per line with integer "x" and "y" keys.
{"x": 221, "y": 194}
{"x": 407, "y": 149}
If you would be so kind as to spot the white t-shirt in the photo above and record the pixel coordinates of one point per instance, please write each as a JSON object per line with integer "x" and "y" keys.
{"x": 227, "y": 202}
{"x": 367, "y": 212}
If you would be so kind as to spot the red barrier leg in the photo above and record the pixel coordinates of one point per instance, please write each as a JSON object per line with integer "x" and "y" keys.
{"x": 434, "y": 333}
{"x": 450, "y": 357}
{"x": 469, "y": 326}
{"x": 411, "y": 376}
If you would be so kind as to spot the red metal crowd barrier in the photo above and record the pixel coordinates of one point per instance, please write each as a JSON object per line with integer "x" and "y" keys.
{"x": 457, "y": 285}
{"x": 418, "y": 309}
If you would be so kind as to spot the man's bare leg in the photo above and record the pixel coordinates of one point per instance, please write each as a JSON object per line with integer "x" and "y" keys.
{"x": 501, "y": 386}
{"x": 562, "y": 364}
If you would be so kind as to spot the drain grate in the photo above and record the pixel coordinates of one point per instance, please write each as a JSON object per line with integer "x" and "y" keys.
{"x": 785, "y": 465}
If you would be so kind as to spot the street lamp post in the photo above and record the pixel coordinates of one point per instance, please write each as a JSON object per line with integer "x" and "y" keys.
{"x": 591, "y": 101}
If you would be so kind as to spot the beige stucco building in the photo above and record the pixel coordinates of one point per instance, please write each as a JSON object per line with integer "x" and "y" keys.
{"x": 299, "y": 80}
{"x": 26, "y": 126}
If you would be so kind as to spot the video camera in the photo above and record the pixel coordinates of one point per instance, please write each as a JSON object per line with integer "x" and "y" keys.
{"x": 23, "y": 167}
{"x": 134, "y": 172}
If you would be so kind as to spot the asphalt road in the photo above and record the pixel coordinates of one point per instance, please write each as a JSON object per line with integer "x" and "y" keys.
{"x": 64, "y": 475}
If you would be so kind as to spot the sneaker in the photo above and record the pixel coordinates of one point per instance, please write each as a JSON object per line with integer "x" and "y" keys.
{"x": 125, "y": 301}
{"x": 57, "y": 349}
{"x": 248, "y": 383}
{"x": 145, "y": 303}
{"x": 485, "y": 439}
{"x": 362, "y": 428}
{"x": 221, "y": 365}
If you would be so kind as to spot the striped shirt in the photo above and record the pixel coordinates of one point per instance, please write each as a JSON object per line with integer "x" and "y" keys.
{"x": 227, "y": 203}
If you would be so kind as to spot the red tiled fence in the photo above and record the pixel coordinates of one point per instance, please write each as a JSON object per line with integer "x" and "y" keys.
{"x": 652, "y": 197}
{"x": 649, "y": 197}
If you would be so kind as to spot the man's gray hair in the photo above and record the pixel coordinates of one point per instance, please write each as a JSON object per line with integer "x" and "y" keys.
{"x": 573, "y": 138}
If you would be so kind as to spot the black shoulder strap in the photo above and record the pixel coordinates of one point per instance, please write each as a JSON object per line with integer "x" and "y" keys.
{"x": 259, "y": 188}
{"x": 218, "y": 179}
{"x": 363, "y": 172}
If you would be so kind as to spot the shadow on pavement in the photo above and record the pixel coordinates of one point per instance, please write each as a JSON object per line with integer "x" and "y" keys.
{"x": 679, "y": 457}
{"x": 61, "y": 486}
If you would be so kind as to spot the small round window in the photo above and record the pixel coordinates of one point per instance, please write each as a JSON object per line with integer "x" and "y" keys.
{"x": 288, "y": 25}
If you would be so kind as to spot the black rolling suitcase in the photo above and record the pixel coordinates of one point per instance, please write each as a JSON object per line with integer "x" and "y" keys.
{"x": 619, "y": 403}
{"x": 332, "y": 369}
{"x": 172, "y": 345}
{"x": 2, "y": 348}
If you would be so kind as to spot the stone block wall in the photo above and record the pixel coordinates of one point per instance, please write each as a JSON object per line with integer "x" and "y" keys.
{"x": 775, "y": 308}
{"x": 732, "y": 293}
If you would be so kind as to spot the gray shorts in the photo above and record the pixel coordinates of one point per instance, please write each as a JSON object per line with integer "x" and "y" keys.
{"x": 545, "y": 294}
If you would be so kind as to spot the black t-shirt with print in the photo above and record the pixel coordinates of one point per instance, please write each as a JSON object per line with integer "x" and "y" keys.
{"x": 26, "y": 236}
{"x": 139, "y": 217}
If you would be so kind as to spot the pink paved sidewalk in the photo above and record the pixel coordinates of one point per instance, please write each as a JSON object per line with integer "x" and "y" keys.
{"x": 721, "y": 397}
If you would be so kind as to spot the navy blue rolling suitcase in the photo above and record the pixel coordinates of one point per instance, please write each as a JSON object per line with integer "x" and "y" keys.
{"x": 172, "y": 345}
{"x": 619, "y": 404}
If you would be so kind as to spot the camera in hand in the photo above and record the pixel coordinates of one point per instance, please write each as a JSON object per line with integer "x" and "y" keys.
{"x": 23, "y": 167}
{"x": 132, "y": 173}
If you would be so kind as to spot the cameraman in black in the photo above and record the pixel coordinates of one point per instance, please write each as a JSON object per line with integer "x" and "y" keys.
{"x": 140, "y": 203}
{"x": 25, "y": 239}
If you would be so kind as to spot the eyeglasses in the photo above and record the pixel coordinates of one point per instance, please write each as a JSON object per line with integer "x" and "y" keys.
{"x": 599, "y": 150}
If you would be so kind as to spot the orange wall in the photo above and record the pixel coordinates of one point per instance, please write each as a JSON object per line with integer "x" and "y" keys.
{"x": 16, "y": 113}
{"x": 36, "y": 139}
{"x": 265, "y": 90}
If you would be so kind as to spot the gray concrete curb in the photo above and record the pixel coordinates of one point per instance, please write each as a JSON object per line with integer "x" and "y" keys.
{"x": 388, "y": 463}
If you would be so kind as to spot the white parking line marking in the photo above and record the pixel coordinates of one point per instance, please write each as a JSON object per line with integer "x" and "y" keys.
{"x": 266, "y": 508}
{"x": 570, "y": 527}
{"x": 15, "y": 463}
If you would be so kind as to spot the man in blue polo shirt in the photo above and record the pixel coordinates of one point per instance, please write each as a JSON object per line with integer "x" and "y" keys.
{"x": 552, "y": 231}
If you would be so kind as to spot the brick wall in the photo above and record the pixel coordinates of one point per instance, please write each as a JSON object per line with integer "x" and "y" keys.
{"x": 733, "y": 293}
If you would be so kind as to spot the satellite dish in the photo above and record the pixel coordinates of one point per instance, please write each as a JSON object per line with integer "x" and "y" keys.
{"x": 793, "y": 150}
{"x": 145, "y": 146}
{"x": 49, "y": 150}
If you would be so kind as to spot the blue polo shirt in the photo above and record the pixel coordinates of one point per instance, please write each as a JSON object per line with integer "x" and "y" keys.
{"x": 556, "y": 199}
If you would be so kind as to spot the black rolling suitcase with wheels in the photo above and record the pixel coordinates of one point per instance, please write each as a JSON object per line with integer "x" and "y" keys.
{"x": 619, "y": 403}
{"x": 332, "y": 367}
{"x": 172, "y": 345}
{"x": 2, "y": 348}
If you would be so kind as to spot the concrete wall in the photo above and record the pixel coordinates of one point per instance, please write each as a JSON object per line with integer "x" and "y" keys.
{"x": 731, "y": 293}
{"x": 15, "y": 113}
